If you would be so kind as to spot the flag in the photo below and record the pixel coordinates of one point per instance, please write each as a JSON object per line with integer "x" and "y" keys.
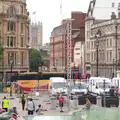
{"x": 34, "y": 12}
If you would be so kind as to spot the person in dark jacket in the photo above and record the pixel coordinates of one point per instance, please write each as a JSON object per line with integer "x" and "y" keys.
{"x": 112, "y": 91}
{"x": 23, "y": 101}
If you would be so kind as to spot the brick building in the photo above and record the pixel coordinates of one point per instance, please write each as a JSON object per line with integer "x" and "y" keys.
{"x": 58, "y": 41}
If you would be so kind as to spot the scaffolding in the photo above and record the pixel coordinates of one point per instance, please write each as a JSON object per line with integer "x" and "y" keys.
{"x": 69, "y": 57}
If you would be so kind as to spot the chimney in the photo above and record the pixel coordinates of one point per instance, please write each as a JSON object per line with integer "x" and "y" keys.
{"x": 113, "y": 16}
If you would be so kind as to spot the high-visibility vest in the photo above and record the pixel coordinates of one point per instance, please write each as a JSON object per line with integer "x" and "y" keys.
{"x": 5, "y": 103}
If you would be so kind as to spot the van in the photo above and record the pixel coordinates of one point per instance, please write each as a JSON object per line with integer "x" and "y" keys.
{"x": 57, "y": 85}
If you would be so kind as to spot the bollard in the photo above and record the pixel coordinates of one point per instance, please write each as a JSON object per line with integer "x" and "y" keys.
{"x": 53, "y": 102}
{"x": 119, "y": 101}
{"x": 75, "y": 102}
{"x": 99, "y": 101}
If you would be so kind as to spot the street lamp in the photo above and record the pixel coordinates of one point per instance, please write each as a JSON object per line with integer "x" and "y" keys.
{"x": 98, "y": 34}
{"x": 11, "y": 61}
{"x": 113, "y": 69}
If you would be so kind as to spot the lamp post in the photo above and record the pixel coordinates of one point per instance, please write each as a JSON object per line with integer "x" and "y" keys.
{"x": 113, "y": 69}
{"x": 11, "y": 61}
{"x": 98, "y": 34}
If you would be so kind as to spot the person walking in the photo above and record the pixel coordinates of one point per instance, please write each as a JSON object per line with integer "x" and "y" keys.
{"x": 116, "y": 91}
{"x": 30, "y": 107}
{"x": 61, "y": 102}
{"x": 5, "y": 104}
{"x": 23, "y": 101}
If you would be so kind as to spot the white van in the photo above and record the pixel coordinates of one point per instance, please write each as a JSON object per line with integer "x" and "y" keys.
{"x": 116, "y": 81}
{"x": 57, "y": 85}
{"x": 97, "y": 85}
{"x": 80, "y": 88}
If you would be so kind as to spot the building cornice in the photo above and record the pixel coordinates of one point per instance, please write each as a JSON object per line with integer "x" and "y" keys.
{"x": 15, "y": 1}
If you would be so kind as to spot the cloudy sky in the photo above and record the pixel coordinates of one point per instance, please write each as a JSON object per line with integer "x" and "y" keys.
{"x": 48, "y": 11}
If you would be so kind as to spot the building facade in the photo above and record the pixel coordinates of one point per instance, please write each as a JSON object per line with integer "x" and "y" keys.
{"x": 102, "y": 51}
{"x": 79, "y": 55}
{"x": 13, "y": 33}
{"x": 36, "y": 30}
{"x": 98, "y": 7}
{"x": 108, "y": 46}
{"x": 58, "y": 41}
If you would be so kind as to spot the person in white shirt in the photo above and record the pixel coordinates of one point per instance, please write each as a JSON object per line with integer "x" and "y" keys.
{"x": 40, "y": 110}
{"x": 30, "y": 107}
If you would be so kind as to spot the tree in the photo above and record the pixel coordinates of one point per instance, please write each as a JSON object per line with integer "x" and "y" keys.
{"x": 35, "y": 60}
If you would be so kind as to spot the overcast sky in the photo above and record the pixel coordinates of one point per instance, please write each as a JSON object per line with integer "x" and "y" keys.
{"x": 48, "y": 11}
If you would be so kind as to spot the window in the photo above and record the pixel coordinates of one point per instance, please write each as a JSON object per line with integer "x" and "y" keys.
{"x": 21, "y": 41}
{"x": 107, "y": 56}
{"x": 12, "y": 55}
{"x": 88, "y": 57}
{"x": 11, "y": 42}
{"x": 77, "y": 48}
{"x": 22, "y": 61}
{"x": 11, "y": 12}
{"x": 8, "y": 58}
{"x": 107, "y": 42}
{"x": 118, "y": 5}
{"x": 22, "y": 9}
{"x": 14, "y": 41}
{"x": 110, "y": 42}
{"x": 21, "y": 27}
{"x": 113, "y": 4}
{"x": 11, "y": 26}
{"x": 15, "y": 58}
{"x": 8, "y": 41}
{"x": 77, "y": 53}
{"x": 110, "y": 56}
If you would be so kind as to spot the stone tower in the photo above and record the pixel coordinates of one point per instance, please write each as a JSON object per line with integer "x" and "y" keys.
{"x": 14, "y": 34}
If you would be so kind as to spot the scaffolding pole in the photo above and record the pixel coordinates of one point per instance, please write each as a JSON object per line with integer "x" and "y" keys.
{"x": 69, "y": 46}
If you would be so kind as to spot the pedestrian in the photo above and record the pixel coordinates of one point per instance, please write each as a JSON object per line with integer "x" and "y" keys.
{"x": 116, "y": 91}
{"x": 61, "y": 101}
{"x": 23, "y": 101}
{"x": 5, "y": 104}
{"x": 39, "y": 110}
{"x": 88, "y": 104}
{"x": 30, "y": 107}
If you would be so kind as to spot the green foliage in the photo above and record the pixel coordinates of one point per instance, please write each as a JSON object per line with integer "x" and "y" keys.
{"x": 35, "y": 60}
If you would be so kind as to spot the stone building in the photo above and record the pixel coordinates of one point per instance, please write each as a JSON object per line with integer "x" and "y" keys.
{"x": 108, "y": 46}
{"x": 36, "y": 31}
{"x": 58, "y": 41}
{"x": 107, "y": 40}
{"x": 14, "y": 34}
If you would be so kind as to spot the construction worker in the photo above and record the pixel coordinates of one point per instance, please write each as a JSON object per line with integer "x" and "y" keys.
{"x": 5, "y": 104}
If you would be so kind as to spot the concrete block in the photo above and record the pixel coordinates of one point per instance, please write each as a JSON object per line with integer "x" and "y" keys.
{"x": 99, "y": 101}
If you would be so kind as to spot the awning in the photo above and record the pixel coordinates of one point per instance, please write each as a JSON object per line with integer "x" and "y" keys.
{"x": 75, "y": 35}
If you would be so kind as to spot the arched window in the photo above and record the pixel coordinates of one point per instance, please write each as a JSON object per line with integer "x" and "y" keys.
{"x": 11, "y": 26}
{"x": 11, "y": 12}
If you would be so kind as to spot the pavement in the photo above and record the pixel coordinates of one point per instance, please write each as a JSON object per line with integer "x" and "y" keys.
{"x": 44, "y": 100}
